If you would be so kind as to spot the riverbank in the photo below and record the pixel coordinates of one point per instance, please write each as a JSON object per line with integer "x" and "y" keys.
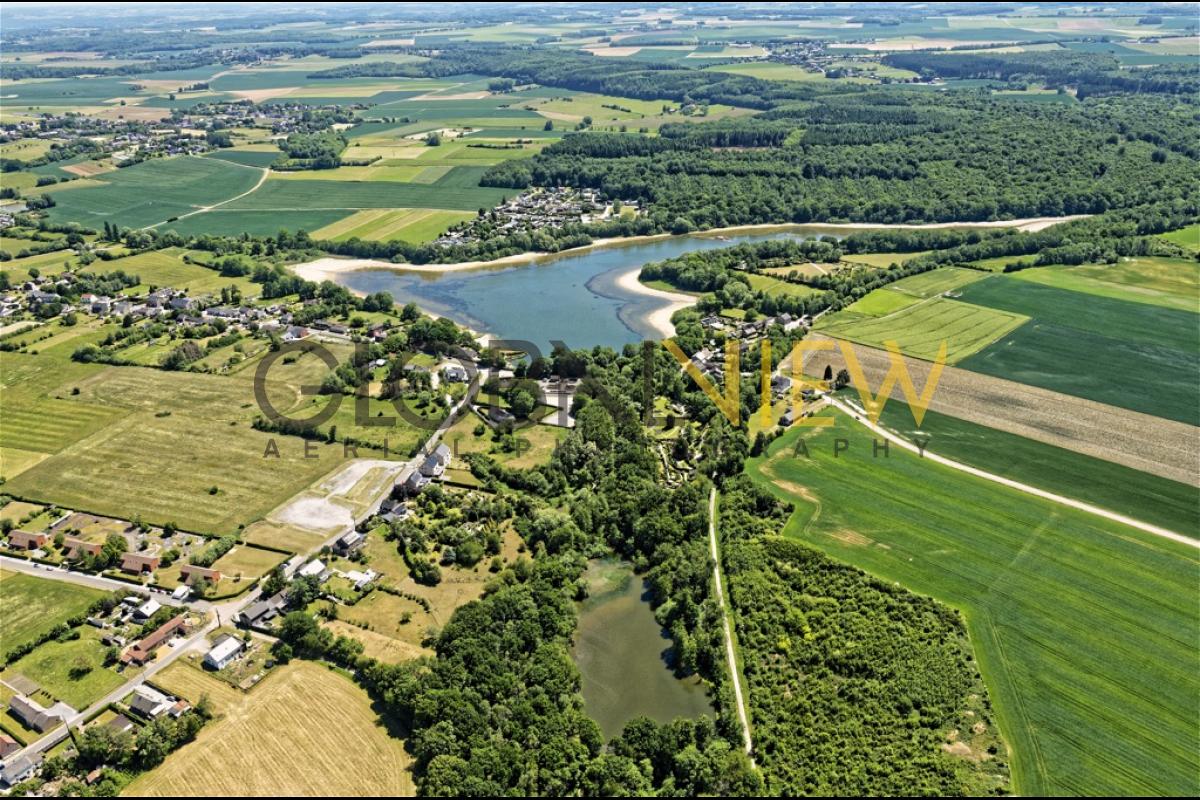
{"x": 328, "y": 268}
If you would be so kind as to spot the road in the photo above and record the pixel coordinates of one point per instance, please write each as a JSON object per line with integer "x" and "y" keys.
{"x": 857, "y": 414}
{"x": 730, "y": 652}
{"x": 221, "y": 614}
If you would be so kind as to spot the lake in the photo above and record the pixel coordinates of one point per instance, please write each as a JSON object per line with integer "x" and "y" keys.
{"x": 620, "y": 650}
{"x": 570, "y": 298}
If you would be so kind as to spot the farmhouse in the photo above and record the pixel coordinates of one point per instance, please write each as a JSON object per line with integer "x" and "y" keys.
{"x": 31, "y": 714}
{"x": 144, "y": 650}
{"x": 224, "y": 652}
{"x": 139, "y": 563}
{"x": 24, "y": 540}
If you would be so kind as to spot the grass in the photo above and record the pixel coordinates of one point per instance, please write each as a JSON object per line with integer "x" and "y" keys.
{"x": 29, "y": 606}
{"x": 47, "y": 425}
{"x": 1095, "y": 347}
{"x": 305, "y": 730}
{"x": 1188, "y": 237}
{"x": 778, "y": 288}
{"x": 1168, "y": 282}
{"x": 165, "y": 467}
{"x": 1159, "y": 501}
{"x": 285, "y": 195}
{"x": 881, "y": 260}
{"x": 415, "y": 226}
{"x": 53, "y": 666}
{"x": 1084, "y": 630}
{"x": 881, "y": 302}
{"x": 154, "y": 191}
{"x": 935, "y": 282}
{"x": 920, "y": 329}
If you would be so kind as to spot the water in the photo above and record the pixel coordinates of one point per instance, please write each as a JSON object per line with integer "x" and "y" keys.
{"x": 570, "y": 298}
{"x": 621, "y": 652}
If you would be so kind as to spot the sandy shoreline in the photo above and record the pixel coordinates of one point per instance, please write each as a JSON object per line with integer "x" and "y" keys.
{"x": 327, "y": 268}
{"x": 659, "y": 319}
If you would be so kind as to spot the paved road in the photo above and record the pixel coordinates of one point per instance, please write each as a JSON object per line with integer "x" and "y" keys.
{"x": 857, "y": 414}
{"x": 730, "y": 652}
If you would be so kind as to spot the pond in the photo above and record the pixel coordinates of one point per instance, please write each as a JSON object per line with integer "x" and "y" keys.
{"x": 573, "y": 298}
{"x": 621, "y": 651}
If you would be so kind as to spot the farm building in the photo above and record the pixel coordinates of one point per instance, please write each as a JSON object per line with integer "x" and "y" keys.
{"x": 224, "y": 652}
{"x": 144, "y": 650}
{"x": 24, "y": 540}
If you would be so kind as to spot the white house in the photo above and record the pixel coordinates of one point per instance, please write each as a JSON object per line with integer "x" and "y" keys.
{"x": 224, "y": 652}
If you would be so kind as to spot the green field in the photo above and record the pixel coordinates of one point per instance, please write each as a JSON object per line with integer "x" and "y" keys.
{"x": 1188, "y": 237}
{"x": 1140, "y": 495}
{"x": 778, "y": 288}
{"x": 285, "y": 195}
{"x": 58, "y": 667}
{"x": 1084, "y": 630}
{"x": 880, "y": 303}
{"x": 935, "y": 282}
{"x": 154, "y": 191}
{"x": 921, "y": 329}
{"x": 406, "y": 224}
{"x": 1167, "y": 282}
{"x": 1103, "y": 349}
{"x": 29, "y": 606}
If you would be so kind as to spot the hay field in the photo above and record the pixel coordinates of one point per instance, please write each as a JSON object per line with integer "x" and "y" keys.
{"x": 305, "y": 730}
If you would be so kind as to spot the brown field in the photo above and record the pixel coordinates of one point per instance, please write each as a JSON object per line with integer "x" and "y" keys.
{"x": 305, "y": 730}
{"x": 1159, "y": 446}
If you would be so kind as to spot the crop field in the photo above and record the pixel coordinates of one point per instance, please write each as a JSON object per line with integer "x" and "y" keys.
{"x": 880, "y": 303}
{"x": 286, "y": 195}
{"x": 1168, "y": 282}
{"x": 154, "y": 191}
{"x": 1096, "y": 347}
{"x": 46, "y": 425}
{"x": 31, "y": 606}
{"x": 935, "y": 282}
{"x": 1084, "y": 630}
{"x": 920, "y": 329}
{"x": 1140, "y": 495}
{"x": 335, "y": 743}
{"x": 167, "y": 467}
{"x": 779, "y": 288}
{"x": 406, "y": 224}
{"x": 881, "y": 260}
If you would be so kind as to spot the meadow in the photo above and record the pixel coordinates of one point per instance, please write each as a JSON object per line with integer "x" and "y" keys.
{"x": 305, "y": 730}
{"x": 406, "y": 224}
{"x": 1084, "y": 630}
{"x": 29, "y": 606}
{"x": 72, "y": 671}
{"x": 1095, "y": 347}
{"x": 920, "y": 329}
{"x": 321, "y": 195}
{"x": 1168, "y": 282}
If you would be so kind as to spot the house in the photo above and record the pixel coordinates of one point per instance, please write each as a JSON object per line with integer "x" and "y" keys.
{"x": 780, "y": 384}
{"x": 225, "y": 651}
{"x": 120, "y": 723}
{"x": 31, "y": 714}
{"x": 139, "y": 563}
{"x": 295, "y": 333}
{"x": 145, "y": 649}
{"x": 360, "y": 579}
{"x": 192, "y": 573}
{"x": 455, "y": 374}
{"x": 436, "y": 462}
{"x": 415, "y": 483}
{"x": 147, "y": 609}
{"x": 8, "y": 745}
{"x": 20, "y": 769}
{"x": 182, "y": 303}
{"x": 24, "y": 540}
{"x": 77, "y": 548}
{"x": 349, "y": 544}
{"x": 181, "y": 592}
{"x": 314, "y": 569}
{"x": 150, "y": 703}
{"x": 500, "y": 415}
{"x": 262, "y": 612}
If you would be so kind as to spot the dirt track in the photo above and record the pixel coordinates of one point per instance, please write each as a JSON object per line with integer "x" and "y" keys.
{"x": 1159, "y": 446}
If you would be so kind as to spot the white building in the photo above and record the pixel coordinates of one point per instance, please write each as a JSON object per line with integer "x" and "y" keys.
{"x": 224, "y": 652}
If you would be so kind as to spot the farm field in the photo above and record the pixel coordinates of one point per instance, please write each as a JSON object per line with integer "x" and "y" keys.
{"x": 31, "y": 606}
{"x": 320, "y": 195}
{"x": 154, "y": 191}
{"x": 881, "y": 260}
{"x": 410, "y": 225}
{"x": 1096, "y": 347}
{"x": 305, "y": 730}
{"x": 881, "y": 302}
{"x": 1168, "y": 282}
{"x": 935, "y": 282}
{"x": 920, "y": 329}
{"x": 1188, "y": 237}
{"x": 778, "y": 288}
{"x": 1159, "y": 501}
{"x": 1083, "y": 628}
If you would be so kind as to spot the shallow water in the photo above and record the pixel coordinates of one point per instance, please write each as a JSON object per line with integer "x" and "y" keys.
{"x": 621, "y": 652}
{"x": 570, "y": 298}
